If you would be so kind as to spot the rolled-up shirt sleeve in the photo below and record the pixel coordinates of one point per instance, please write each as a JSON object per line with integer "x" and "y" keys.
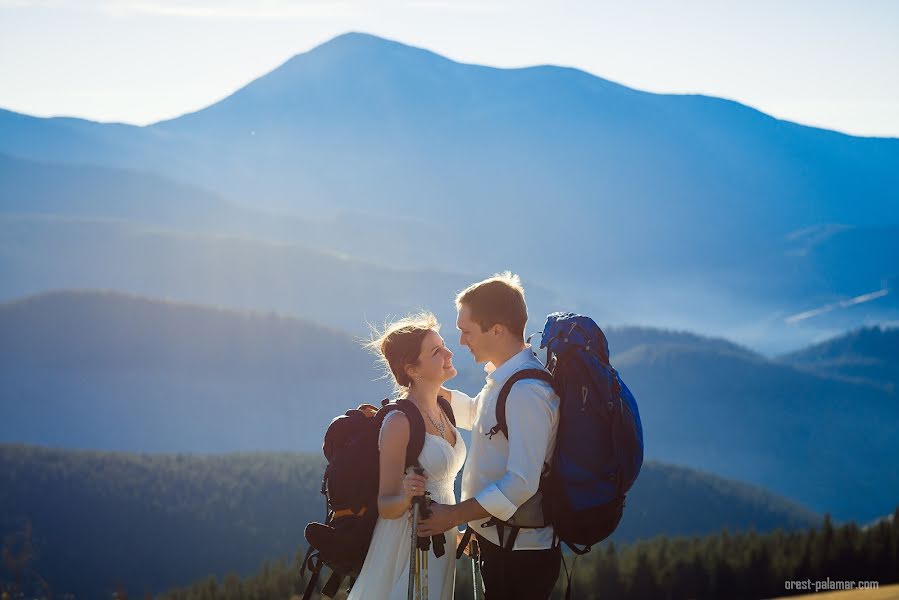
{"x": 532, "y": 419}
{"x": 463, "y": 408}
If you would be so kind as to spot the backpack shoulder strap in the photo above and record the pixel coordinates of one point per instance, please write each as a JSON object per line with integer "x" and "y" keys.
{"x": 447, "y": 409}
{"x": 416, "y": 424}
{"x": 416, "y": 430}
{"x": 501, "y": 425}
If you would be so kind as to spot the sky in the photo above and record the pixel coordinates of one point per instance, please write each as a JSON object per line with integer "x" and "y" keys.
{"x": 824, "y": 63}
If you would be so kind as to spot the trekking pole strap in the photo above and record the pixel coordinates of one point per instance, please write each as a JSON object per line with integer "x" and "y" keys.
{"x": 466, "y": 537}
{"x": 569, "y": 575}
{"x": 513, "y": 535}
{"x": 310, "y": 587}
{"x": 579, "y": 551}
{"x": 332, "y": 587}
{"x": 439, "y": 542}
{"x": 313, "y": 563}
{"x": 306, "y": 565}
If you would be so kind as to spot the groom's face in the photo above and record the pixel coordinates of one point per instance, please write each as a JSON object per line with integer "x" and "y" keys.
{"x": 470, "y": 335}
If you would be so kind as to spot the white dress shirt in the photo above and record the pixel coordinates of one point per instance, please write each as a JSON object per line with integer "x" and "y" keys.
{"x": 500, "y": 473}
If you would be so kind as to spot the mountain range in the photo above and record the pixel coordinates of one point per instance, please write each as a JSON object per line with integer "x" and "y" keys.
{"x": 681, "y": 211}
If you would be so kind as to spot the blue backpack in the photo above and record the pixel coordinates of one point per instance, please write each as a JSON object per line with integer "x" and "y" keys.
{"x": 599, "y": 445}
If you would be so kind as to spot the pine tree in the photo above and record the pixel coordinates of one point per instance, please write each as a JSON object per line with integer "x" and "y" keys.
{"x": 894, "y": 577}
{"x": 643, "y": 582}
{"x": 762, "y": 571}
{"x": 608, "y": 583}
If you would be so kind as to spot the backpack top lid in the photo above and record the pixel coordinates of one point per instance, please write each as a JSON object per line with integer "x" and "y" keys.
{"x": 343, "y": 428}
{"x": 563, "y": 331}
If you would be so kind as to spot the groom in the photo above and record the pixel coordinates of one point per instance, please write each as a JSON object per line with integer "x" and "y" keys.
{"x": 502, "y": 473}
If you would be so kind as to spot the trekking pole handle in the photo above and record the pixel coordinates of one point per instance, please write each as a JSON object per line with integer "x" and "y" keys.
{"x": 421, "y": 501}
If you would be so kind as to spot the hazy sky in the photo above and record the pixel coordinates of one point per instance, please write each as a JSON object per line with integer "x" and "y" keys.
{"x": 826, "y": 63}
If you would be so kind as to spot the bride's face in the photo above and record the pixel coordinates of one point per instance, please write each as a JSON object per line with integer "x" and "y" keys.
{"x": 435, "y": 360}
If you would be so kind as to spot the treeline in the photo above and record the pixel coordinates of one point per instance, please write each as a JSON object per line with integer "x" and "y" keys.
{"x": 739, "y": 566}
{"x": 153, "y": 522}
{"x": 277, "y": 580}
{"x": 84, "y": 522}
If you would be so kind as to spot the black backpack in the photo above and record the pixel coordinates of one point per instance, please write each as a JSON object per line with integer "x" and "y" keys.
{"x": 350, "y": 488}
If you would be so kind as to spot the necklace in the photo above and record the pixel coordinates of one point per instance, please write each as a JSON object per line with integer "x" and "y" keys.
{"x": 439, "y": 425}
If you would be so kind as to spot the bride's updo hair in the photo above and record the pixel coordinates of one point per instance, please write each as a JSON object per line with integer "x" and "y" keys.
{"x": 398, "y": 346}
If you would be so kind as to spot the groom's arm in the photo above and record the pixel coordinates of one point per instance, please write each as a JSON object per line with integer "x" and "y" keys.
{"x": 532, "y": 417}
{"x": 446, "y": 516}
{"x": 531, "y": 424}
{"x": 463, "y": 407}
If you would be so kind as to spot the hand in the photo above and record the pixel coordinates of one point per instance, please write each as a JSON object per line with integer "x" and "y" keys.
{"x": 414, "y": 485}
{"x": 440, "y": 521}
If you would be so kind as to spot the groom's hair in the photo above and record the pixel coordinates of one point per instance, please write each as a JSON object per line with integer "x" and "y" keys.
{"x": 498, "y": 300}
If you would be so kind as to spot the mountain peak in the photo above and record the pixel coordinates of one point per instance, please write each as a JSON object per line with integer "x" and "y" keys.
{"x": 357, "y": 38}
{"x": 356, "y": 43}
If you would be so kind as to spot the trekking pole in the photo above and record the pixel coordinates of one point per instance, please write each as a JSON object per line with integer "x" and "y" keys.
{"x": 424, "y": 544}
{"x": 413, "y": 555}
{"x": 418, "y": 575}
{"x": 418, "y": 511}
{"x": 477, "y": 582}
{"x": 474, "y": 578}
{"x": 424, "y": 572}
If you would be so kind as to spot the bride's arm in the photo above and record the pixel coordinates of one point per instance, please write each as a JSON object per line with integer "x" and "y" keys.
{"x": 395, "y": 489}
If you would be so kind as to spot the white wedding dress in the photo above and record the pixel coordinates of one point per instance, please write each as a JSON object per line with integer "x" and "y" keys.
{"x": 385, "y": 574}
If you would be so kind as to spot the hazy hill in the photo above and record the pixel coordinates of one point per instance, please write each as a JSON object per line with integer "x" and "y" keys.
{"x": 303, "y": 279}
{"x": 680, "y": 211}
{"x": 74, "y": 191}
{"x": 91, "y": 192}
{"x": 830, "y": 443}
{"x": 870, "y": 353}
{"x": 152, "y": 522}
{"x": 30, "y": 187}
{"x": 623, "y": 339}
{"x": 95, "y": 330}
{"x": 108, "y": 371}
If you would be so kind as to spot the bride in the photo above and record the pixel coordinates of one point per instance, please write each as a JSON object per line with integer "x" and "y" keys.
{"x": 420, "y": 363}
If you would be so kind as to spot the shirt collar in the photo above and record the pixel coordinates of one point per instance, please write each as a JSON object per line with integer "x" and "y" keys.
{"x": 512, "y": 365}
